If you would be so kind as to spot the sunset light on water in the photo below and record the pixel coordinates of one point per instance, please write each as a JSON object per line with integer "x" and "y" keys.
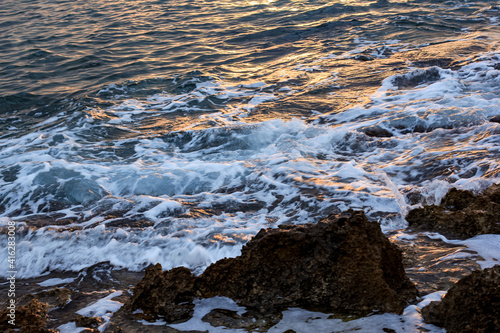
{"x": 141, "y": 132}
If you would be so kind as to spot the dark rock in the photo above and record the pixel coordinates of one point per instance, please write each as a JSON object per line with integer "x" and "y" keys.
{"x": 53, "y": 298}
{"x": 377, "y": 131}
{"x": 456, "y": 199}
{"x": 166, "y": 294}
{"x": 362, "y": 57}
{"x": 250, "y": 321}
{"x": 417, "y": 77}
{"x": 472, "y": 305}
{"x": 31, "y": 318}
{"x": 461, "y": 214}
{"x": 495, "y": 119}
{"x": 92, "y": 322}
{"x": 439, "y": 62}
{"x": 342, "y": 264}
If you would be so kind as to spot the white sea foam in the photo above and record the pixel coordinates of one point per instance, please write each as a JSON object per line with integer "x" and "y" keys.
{"x": 55, "y": 282}
{"x": 301, "y": 320}
{"x": 207, "y": 191}
{"x": 103, "y": 308}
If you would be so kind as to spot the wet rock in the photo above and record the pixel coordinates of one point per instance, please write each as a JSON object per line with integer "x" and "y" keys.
{"x": 31, "y": 318}
{"x": 461, "y": 214}
{"x": 249, "y": 321}
{"x": 388, "y": 330}
{"x": 495, "y": 119}
{"x": 417, "y": 77}
{"x": 342, "y": 264}
{"x": 53, "y": 298}
{"x": 166, "y": 294}
{"x": 377, "y": 131}
{"x": 439, "y": 62}
{"x": 362, "y": 57}
{"x": 472, "y": 305}
{"x": 104, "y": 276}
{"x": 92, "y": 322}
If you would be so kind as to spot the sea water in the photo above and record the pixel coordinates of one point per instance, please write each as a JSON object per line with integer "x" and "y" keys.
{"x": 138, "y": 132}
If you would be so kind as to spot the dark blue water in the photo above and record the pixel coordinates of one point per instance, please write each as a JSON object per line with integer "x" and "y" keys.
{"x": 62, "y": 48}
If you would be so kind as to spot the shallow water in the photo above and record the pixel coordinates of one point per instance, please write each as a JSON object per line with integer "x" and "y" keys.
{"x": 136, "y": 132}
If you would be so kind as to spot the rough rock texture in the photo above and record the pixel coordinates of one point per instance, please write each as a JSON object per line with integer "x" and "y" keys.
{"x": 461, "y": 214}
{"x": 53, "y": 298}
{"x": 342, "y": 264}
{"x": 248, "y": 321}
{"x": 472, "y": 305}
{"x": 92, "y": 322}
{"x": 31, "y": 318}
{"x": 167, "y": 294}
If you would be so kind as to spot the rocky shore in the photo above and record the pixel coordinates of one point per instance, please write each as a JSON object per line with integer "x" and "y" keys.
{"x": 461, "y": 214}
{"x": 343, "y": 264}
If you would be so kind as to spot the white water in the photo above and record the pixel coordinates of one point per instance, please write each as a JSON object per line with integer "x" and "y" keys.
{"x": 208, "y": 191}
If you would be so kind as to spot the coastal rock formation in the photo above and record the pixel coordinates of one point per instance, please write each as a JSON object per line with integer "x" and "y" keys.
{"x": 461, "y": 214}
{"x": 167, "y": 294}
{"x": 342, "y": 264}
{"x": 472, "y": 305}
{"x": 91, "y": 322}
{"x": 52, "y": 298}
{"x": 250, "y": 321}
{"x": 31, "y": 318}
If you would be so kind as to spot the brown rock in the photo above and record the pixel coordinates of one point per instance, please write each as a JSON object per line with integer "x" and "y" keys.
{"x": 472, "y": 305}
{"x": 166, "y": 294}
{"x": 461, "y": 214}
{"x": 342, "y": 264}
{"x": 92, "y": 322}
{"x": 31, "y": 318}
{"x": 377, "y": 131}
{"x": 54, "y": 298}
{"x": 249, "y": 321}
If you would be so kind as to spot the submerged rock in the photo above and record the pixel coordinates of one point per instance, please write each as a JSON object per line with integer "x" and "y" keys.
{"x": 417, "y": 77}
{"x": 461, "y": 214}
{"x": 31, "y": 318}
{"x": 495, "y": 119}
{"x": 377, "y": 131}
{"x": 472, "y": 305}
{"x": 342, "y": 264}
